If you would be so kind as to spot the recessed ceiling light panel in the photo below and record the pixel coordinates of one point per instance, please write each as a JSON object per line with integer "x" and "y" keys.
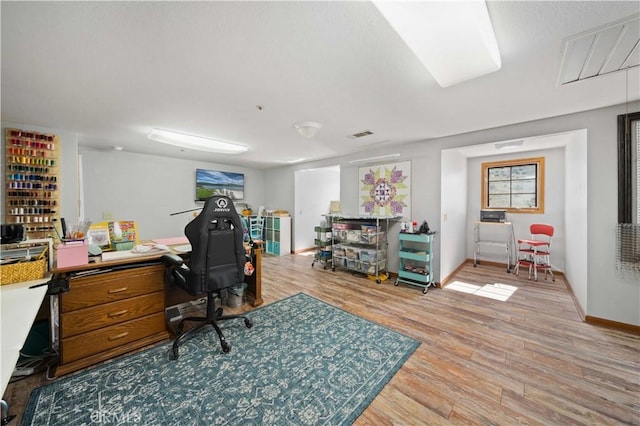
{"x": 453, "y": 39}
{"x": 198, "y": 143}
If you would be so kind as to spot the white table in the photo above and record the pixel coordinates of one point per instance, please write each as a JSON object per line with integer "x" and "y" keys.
{"x": 505, "y": 237}
{"x": 19, "y": 306}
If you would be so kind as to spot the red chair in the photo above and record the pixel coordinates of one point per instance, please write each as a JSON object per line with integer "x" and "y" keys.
{"x": 535, "y": 253}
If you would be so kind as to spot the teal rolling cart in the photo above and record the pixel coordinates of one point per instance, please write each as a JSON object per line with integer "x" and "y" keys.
{"x": 416, "y": 257}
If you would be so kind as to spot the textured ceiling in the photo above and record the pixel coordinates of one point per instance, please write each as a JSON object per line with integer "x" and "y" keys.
{"x": 111, "y": 71}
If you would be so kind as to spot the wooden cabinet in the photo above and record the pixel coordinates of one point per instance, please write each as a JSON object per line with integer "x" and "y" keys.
{"x": 277, "y": 235}
{"x": 31, "y": 181}
{"x": 108, "y": 313}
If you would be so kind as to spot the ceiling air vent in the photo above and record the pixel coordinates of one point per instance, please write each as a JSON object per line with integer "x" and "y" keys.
{"x": 602, "y": 50}
{"x": 361, "y": 134}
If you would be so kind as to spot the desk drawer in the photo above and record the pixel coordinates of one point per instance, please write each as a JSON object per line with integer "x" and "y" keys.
{"x": 95, "y": 317}
{"x": 112, "y": 286}
{"x": 93, "y": 342}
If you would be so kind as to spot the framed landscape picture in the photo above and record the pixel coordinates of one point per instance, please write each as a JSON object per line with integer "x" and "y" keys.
{"x": 213, "y": 182}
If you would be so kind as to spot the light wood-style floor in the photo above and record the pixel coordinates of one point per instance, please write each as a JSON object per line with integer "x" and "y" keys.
{"x": 529, "y": 360}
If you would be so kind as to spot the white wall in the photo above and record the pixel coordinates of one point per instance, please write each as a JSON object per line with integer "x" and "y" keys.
{"x": 453, "y": 202}
{"x": 609, "y": 296}
{"x": 576, "y": 216}
{"x": 554, "y": 206}
{"x": 314, "y": 190}
{"x": 147, "y": 188}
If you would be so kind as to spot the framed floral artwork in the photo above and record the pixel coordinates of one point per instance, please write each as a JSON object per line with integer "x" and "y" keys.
{"x": 385, "y": 190}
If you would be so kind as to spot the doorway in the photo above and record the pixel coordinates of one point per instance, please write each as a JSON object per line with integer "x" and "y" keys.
{"x": 314, "y": 191}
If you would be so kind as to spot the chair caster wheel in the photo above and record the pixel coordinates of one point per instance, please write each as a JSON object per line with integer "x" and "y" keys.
{"x": 7, "y": 419}
{"x": 219, "y": 312}
{"x": 226, "y": 348}
{"x": 248, "y": 323}
{"x": 173, "y": 355}
{"x": 425, "y": 290}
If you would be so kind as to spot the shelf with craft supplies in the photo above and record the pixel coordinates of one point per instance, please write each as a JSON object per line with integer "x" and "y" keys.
{"x": 32, "y": 182}
{"x": 26, "y": 260}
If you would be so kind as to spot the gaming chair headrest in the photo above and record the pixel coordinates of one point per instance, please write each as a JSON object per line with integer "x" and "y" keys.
{"x": 217, "y": 207}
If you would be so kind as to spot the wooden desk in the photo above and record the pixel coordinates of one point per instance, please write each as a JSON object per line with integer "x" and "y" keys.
{"x": 254, "y": 289}
{"x": 113, "y": 307}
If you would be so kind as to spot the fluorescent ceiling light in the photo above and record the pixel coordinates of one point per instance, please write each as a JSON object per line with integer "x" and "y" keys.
{"x": 195, "y": 142}
{"x": 453, "y": 39}
{"x": 379, "y": 157}
{"x": 509, "y": 144}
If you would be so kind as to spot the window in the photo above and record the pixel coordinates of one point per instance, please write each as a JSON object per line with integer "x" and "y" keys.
{"x": 516, "y": 186}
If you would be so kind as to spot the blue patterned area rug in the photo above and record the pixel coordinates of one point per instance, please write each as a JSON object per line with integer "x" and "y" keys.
{"x": 304, "y": 362}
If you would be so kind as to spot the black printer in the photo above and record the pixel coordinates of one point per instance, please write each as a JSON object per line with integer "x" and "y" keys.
{"x": 495, "y": 216}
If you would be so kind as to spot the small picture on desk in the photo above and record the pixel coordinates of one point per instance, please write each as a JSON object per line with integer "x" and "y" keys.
{"x": 99, "y": 237}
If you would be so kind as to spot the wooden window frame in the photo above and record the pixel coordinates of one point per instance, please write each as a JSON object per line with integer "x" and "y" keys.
{"x": 539, "y": 161}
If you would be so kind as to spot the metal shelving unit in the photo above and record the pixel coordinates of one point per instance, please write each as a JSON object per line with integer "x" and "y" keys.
{"x": 324, "y": 246}
{"x": 360, "y": 244}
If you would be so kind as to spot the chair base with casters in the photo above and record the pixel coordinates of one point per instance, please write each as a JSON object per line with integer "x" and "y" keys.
{"x": 213, "y": 315}
{"x": 535, "y": 253}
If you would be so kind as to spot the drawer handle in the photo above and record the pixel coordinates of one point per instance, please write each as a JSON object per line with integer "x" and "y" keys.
{"x": 118, "y": 290}
{"x": 119, "y": 313}
{"x": 118, "y": 336}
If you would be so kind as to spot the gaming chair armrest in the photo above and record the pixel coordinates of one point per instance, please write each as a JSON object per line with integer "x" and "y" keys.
{"x": 172, "y": 259}
{"x": 178, "y": 270}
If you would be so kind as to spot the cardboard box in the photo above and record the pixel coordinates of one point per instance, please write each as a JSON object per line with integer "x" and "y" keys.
{"x": 72, "y": 254}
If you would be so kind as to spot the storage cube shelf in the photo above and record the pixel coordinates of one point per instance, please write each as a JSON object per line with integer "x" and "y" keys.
{"x": 277, "y": 235}
{"x": 416, "y": 260}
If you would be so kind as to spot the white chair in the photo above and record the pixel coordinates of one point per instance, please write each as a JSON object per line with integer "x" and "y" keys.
{"x": 256, "y": 226}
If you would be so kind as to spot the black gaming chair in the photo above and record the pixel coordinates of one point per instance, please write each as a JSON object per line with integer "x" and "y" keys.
{"x": 216, "y": 262}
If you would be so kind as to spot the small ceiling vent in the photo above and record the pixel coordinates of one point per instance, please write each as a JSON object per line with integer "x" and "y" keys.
{"x": 602, "y": 50}
{"x": 361, "y": 134}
